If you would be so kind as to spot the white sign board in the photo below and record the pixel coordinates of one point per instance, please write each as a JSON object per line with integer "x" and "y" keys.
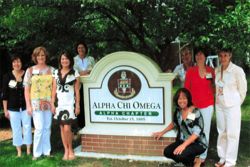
{"x": 125, "y": 96}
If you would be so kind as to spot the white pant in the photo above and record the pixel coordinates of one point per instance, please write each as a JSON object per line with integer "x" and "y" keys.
{"x": 207, "y": 114}
{"x": 42, "y": 122}
{"x": 228, "y": 127}
{"x": 20, "y": 123}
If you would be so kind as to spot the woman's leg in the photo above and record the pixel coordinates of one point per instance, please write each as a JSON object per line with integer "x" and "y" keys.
{"x": 207, "y": 114}
{"x": 15, "y": 122}
{"x": 233, "y": 123}
{"x": 221, "y": 128}
{"x": 27, "y": 131}
{"x": 28, "y": 151}
{"x": 19, "y": 151}
{"x": 38, "y": 120}
{"x": 188, "y": 155}
{"x": 64, "y": 137}
{"x": 46, "y": 146}
{"x": 69, "y": 134}
{"x": 169, "y": 150}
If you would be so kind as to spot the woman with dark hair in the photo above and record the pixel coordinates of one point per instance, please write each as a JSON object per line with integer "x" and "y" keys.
{"x": 66, "y": 91}
{"x": 15, "y": 108}
{"x": 83, "y": 64}
{"x": 38, "y": 88}
{"x": 191, "y": 140}
{"x": 200, "y": 82}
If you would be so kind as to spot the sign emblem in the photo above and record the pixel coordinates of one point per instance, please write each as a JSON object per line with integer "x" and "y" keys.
{"x": 124, "y": 84}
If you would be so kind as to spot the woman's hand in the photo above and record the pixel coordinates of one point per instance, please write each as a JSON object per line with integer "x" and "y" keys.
{"x": 77, "y": 111}
{"x": 157, "y": 135}
{"x": 29, "y": 110}
{"x": 83, "y": 73}
{"x": 179, "y": 149}
{"x": 7, "y": 114}
{"x": 53, "y": 108}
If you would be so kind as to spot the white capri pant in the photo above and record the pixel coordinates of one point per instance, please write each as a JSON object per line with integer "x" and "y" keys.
{"x": 20, "y": 122}
{"x": 207, "y": 114}
{"x": 228, "y": 126}
{"x": 42, "y": 122}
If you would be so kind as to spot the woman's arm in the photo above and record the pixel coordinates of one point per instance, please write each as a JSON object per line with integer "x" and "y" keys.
{"x": 241, "y": 84}
{"x": 77, "y": 96}
{"x": 5, "y": 96}
{"x": 186, "y": 143}
{"x": 85, "y": 72}
{"x": 27, "y": 85}
{"x": 53, "y": 96}
{"x": 158, "y": 135}
{"x": 27, "y": 99}
{"x": 6, "y": 112}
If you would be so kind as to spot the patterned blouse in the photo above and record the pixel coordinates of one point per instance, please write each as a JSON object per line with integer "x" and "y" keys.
{"x": 193, "y": 124}
{"x": 40, "y": 83}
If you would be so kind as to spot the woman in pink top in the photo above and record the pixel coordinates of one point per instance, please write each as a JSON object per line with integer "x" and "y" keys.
{"x": 200, "y": 82}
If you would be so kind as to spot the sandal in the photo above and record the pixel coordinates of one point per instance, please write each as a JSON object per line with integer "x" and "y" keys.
{"x": 219, "y": 164}
{"x": 65, "y": 158}
{"x": 71, "y": 157}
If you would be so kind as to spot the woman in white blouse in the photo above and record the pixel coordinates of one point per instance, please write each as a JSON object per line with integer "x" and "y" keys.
{"x": 180, "y": 70}
{"x": 231, "y": 88}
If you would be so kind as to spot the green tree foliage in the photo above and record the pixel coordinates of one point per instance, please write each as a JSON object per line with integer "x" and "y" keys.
{"x": 144, "y": 26}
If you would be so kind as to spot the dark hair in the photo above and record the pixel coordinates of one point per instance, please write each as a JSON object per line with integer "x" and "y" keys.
{"x": 229, "y": 50}
{"x": 68, "y": 55}
{"x": 15, "y": 57}
{"x": 187, "y": 94}
{"x": 201, "y": 49}
{"x": 84, "y": 44}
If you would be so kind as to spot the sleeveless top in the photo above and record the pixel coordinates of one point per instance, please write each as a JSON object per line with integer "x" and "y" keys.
{"x": 40, "y": 83}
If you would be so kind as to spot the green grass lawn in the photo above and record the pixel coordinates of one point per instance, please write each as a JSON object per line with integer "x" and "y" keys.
{"x": 8, "y": 153}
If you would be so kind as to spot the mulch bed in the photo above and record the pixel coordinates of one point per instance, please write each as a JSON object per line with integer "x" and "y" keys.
{"x": 5, "y": 134}
{"x": 5, "y": 130}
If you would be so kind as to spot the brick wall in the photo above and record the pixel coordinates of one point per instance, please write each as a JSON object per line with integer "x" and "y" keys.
{"x": 124, "y": 144}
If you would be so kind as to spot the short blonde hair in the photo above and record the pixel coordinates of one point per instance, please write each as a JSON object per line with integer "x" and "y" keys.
{"x": 186, "y": 49}
{"x": 37, "y": 51}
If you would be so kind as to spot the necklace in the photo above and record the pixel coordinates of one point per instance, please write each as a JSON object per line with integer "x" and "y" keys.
{"x": 18, "y": 75}
{"x": 202, "y": 72}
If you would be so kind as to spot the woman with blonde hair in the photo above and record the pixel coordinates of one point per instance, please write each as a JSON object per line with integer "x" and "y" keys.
{"x": 187, "y": 62}
{"x": 38, "y": 90}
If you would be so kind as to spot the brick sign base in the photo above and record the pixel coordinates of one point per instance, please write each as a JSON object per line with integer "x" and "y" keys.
{"x": 131, "y": 145}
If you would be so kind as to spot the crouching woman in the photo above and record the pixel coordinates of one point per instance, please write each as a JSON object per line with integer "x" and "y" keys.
{"x": 191, "y": 140}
